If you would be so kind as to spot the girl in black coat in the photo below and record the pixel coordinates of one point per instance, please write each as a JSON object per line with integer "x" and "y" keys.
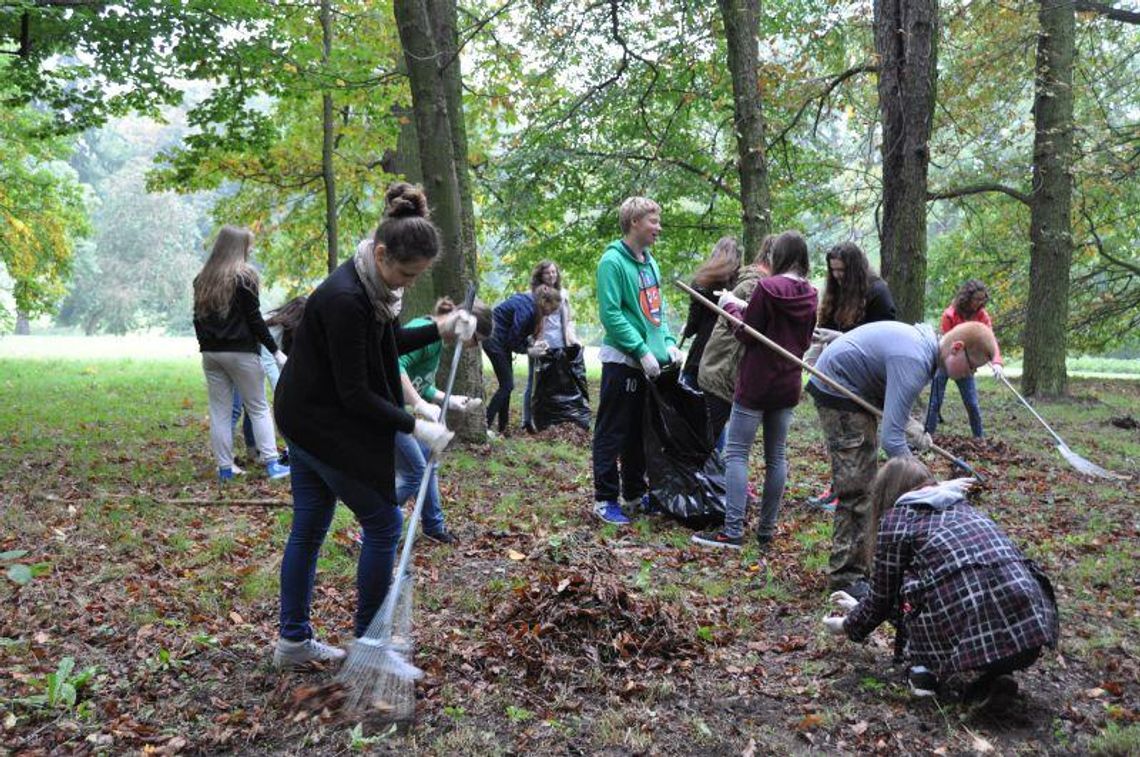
{"x": 339, "y": 404}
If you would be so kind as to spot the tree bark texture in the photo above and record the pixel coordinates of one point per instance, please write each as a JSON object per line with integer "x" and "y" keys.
{"x": 906, "y": 33}
{"x": 327, "y": 142}
{"x": 740, "y": 29}
{"x": 1050, "y": 224}
{"x": 441, "y": 167}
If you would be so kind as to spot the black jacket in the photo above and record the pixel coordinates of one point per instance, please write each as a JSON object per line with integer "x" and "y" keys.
{"x": 699, "y": 325}
{"x": 241, "y": 329}
{"x": 339, "y": 396}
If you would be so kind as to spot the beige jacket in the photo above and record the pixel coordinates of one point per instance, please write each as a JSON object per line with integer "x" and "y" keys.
{"x": 721, "y": 360}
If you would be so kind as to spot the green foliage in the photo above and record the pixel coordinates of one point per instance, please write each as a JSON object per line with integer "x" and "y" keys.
{"x": 61, "y": 688}
{"x": 261, "y": 136}
{"x": 42, "y": 208}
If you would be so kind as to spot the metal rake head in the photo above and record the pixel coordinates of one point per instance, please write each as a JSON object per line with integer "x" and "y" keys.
{"x": 1087, "y": 467}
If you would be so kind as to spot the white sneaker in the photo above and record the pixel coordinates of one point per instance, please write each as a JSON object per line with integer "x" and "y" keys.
{"x": 294, "y": 654}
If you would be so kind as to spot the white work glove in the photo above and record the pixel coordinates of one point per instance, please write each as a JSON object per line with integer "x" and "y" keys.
{"x": 538, "y": 349}
{"x": 674, "y": 354}
{"x": 458, "y": 323}
{"x": 650, "y": 365}
{"x": 427, "y": 410}
{"x": 997, "y": 369}
{"x": 280, "y": 357}
{"x": 435, "y": 436}
{"x": 844, "y": 601}
{"x": 462, "y": 404}
{"x": 834, "y": 624}
{"x": 825, "y": 336}
{"x": 726, "y": 296}
{"x": 916, "y": 436}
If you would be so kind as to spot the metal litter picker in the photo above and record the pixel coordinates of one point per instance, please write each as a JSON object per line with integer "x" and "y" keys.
{"x": 811, "y": 369}
{"x": 377, "y": 673}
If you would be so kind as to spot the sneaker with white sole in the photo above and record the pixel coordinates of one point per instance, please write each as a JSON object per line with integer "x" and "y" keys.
{"x": 645, "y": 505}
{"x": 718, "y": 539}
{"x": 294, "y": 654}
{"x": 610, "y": 511}
{"x": 922, "y": 682}
{"x": 275, "y": 470}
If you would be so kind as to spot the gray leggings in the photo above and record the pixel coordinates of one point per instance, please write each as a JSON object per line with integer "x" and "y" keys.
{"x": 742, "y": 427}
{"x": 225, "y": 371}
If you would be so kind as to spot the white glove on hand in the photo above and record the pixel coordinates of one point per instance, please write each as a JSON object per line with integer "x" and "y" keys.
{"x": 280, "y": 357}
{"x": 834, "y": 624}
{"x": 674, "y": 354}
{"x": 650, "y": 365}
{"x": 726, "y": 296}
{"x": 459, "y": 324}
{"x": 435, "y": 436}
{"x": 916, "y": 436}
{"x": 844, "y": 601}
{"x": 997, "y": 369}
{"x": 538, "y": 349}
{"x": 427, "y": 410}
{"x": 462, "y": 404}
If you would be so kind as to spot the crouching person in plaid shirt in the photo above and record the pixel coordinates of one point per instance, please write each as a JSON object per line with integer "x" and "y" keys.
{"x": 963, "y": 596}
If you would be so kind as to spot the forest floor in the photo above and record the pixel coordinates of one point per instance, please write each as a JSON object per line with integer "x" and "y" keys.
{"x": 128, "y": 623}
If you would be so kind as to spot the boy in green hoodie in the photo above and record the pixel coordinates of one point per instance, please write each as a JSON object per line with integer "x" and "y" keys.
{"x": 636, "y": 343}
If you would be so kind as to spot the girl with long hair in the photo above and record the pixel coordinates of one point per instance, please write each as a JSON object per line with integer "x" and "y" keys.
{"x": 340, "y": 406}
{"x": 718, "y": 272}
{"x": 969, "y": 304}
{"x": 518, "y": 329}
{"x": 231, "y": 332}
{"x": 783, "y": 308}
{"x": 557, "y": 330}
{"x": 964, "y": 597}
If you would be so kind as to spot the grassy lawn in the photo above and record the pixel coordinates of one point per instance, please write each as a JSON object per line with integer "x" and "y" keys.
{"x": 130, "y": 622}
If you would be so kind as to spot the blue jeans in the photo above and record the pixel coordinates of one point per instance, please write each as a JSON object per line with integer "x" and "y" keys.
{"x": 316, "y": 488}
{"x": 500, "y": 404}
{"x": 742, "y": 426}
{"x": 969, "y": 391}
{"x": 411, "y": 463}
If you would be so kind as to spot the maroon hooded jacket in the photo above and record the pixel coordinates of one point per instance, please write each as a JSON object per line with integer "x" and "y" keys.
{"x": 782, "y": 309}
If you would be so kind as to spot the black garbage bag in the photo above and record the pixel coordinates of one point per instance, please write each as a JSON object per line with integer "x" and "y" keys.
{"x": 560, "y": 394}
{"x": 686, "y": 477}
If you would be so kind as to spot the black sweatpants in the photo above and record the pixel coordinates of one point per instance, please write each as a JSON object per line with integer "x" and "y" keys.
{"x": 617, "y": 434}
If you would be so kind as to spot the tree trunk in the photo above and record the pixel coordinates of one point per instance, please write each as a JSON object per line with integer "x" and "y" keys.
{"x": 327, "y": 126}
{"x": 1050, "y": 232}
{"x": 405, "y": 161}
{"x": 740, "y": 29}
{"x": 906, "y": 33}
{"x": 23, "y": 325}
{"x": 441, "y": 167}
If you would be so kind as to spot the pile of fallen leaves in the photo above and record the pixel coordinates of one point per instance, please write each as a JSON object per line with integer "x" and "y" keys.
{"x": 562, "y": 614}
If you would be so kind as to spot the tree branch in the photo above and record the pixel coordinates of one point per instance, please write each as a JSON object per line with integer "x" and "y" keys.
{"x": 974, "y": 189}
{"x": 834, "y": 82}
{"x": 1135, "y": 269}
{"x": 1106, "y": 10}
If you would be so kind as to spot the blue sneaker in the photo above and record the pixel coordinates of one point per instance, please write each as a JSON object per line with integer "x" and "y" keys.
{"x": 226, "y": 474}
{"x": 610, "y": 511}
{"x": 275, "y": 470}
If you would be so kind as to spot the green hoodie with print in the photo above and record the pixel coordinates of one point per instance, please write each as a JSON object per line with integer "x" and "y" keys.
{"x": 630, "y": 305}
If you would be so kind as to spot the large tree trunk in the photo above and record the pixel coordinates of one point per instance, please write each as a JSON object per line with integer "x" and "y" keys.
{"x": 441, "y": 167}
{"x": 906, "y": 33}
{"x": 1050, "y": 233}
{"x": 23, "y": 325}
{"x": 405, "y": 161}
{"x": 740, "y": 29}
{"x": 327, "y": 143}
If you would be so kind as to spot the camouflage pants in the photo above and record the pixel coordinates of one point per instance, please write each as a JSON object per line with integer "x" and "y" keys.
{"x": 853, "y": 443}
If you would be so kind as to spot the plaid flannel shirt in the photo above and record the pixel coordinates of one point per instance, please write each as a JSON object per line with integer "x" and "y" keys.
{"x": 968, "y": 597}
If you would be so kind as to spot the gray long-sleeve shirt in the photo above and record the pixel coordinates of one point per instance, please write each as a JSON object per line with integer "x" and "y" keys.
{"x": 886, "y": 363}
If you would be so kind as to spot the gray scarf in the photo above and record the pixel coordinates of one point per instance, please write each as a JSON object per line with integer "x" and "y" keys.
{"x": 385, "y": 301}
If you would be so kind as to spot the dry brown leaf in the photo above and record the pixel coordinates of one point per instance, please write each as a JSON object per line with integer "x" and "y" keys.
{"x": 514, "y": 554}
